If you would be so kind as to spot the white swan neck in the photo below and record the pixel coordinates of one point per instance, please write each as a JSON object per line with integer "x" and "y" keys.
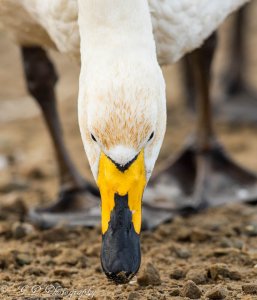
{"x": 115, "y": 24}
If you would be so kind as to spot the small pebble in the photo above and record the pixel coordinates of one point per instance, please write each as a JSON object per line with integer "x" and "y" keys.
{"x": 198, "y": 276}
{"x": 23, "y": 259}
{"x": 251, "y": 230}
{"x": 64, "y": 272}
{"x": 149, "y": 276}
{"x": 20, "y": 230}
{"x": 98, "y": 269}
{"x": 33, "y": 271}
{"x": 250, "y": 288}
{"x": 216, "y": 293}
{"x": 191, "y": 290}
{"x": 219, "y": 270}
{"x": 183, "y": 234}
{"x": 177, "y": 274}
{"x": 226, "y": 243}
{"x": 238, "y": 244}
{"x": 235, "y": 275}
{"x": 225, "y": 251}
{"x": 134, "y": 296}
{"x": 53, "y": 252}
{"x": 174, "y": 292}
{"x": 183, "y": 253}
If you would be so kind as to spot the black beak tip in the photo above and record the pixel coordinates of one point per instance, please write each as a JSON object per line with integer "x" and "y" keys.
{"x": 121, "y": 277}
{"x": 120, "y": 271}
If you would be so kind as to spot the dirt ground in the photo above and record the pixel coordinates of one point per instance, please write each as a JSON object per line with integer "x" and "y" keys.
{"x": 211, "y": 255}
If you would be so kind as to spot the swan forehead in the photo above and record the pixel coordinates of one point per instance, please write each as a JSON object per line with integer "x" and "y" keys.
{"x": 121, "y": 122}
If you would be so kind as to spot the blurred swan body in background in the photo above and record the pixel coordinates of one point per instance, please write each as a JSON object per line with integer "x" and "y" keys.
{"x": 179, "y": 26}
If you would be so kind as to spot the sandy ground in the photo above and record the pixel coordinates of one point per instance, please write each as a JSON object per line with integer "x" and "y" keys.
{"x": 211, "y": 255}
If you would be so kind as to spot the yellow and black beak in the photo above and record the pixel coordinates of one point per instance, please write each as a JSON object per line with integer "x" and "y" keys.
{"x": 121, "y": 189}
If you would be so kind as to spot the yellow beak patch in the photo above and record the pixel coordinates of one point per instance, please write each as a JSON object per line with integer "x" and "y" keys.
{"x": 132, "y": 182}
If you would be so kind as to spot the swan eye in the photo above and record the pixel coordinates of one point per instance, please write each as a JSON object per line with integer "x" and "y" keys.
{"x": 93, "y": 138}
{"x": 151, "y": 136}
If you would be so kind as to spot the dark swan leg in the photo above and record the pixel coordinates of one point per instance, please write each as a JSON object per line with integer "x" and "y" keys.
{"x": 202, "y": 174}
{"x": 188, "y": 83}
{"x": 76, "y": 197}
{"x": 239, "y": 99}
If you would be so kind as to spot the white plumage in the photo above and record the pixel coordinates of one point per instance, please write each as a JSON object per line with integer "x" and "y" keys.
{"x": 179, "y": 26}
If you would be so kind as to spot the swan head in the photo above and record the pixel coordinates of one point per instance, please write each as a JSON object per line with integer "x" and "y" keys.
{"x": 122, "y": 118}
